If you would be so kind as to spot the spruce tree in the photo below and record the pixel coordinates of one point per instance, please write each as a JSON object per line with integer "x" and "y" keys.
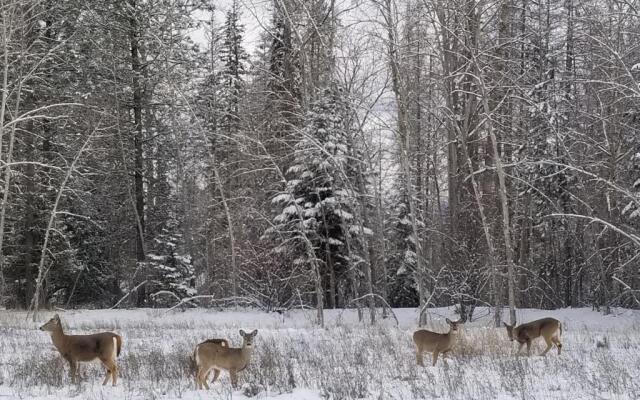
{"x": 320, "y": 189}
{"x": 231, "y": 79}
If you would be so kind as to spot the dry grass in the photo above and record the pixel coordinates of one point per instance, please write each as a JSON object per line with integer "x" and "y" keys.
{"x": 341, "y": 362}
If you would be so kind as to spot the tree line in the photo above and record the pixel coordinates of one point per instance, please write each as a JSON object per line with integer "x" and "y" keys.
{"x": 367, "y": 154}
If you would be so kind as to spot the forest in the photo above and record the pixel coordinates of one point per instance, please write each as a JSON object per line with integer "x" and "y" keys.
{"x": 365, "y": 154}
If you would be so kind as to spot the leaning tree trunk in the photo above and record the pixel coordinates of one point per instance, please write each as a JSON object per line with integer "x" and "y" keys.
{"x": 42, "y": 271}
{"x": 505, "y": 216}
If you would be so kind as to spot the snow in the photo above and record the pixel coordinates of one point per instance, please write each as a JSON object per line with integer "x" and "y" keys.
{"x": 109, "y": 392}
{"x": 282, "y": 198}
{"x": 294, "y": 359}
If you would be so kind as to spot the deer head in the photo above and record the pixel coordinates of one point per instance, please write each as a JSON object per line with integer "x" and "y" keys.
{"x": 52, "y": 325}
{"x": 510, "y": 330}
{"x": 248, "y": 337}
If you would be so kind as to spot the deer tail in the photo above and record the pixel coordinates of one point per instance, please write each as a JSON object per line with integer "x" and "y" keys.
{"x": 117, "y": 341}
{"x": 196, "y": 355}
{"x": 195, "y": 361}
{"x": 560, "y": 327}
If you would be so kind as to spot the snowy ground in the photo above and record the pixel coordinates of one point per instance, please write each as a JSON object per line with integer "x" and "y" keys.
{"x": 347, "y": 360}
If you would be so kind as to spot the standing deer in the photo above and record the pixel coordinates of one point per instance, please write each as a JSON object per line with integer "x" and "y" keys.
{"x": 435, "y": 343}
{"x": 105, "y": 346}
{"x": 210, "y": 355}
{"x": 220, "y": 342}
{"x": 549, "y": 328}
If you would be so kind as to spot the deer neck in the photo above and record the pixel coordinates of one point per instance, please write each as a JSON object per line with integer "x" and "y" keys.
{"x": 246, "y": 352}
{"x": 452, "y": 335}
{"x": 57, "y": 336}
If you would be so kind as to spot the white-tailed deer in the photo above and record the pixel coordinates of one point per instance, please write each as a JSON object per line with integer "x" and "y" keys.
{"x": 216, "y": 356}
{"x": 220, "y": 342}
{"x": 435, "y": 343}
{"x": 549, "y": 328}
{"x": 104, "y": 346}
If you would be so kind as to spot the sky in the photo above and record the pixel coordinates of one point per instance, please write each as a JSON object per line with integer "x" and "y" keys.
{"x": 255, "y": 16}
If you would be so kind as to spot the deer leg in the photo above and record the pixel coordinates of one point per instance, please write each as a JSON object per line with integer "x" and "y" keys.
{"x": 556, "y": 340}
{"x": 114, "y": 374}
{"x": 216, "y": 374}
{"x": 419, "y": 357}
{"x": 199, "y": 378}
{"x": 528, "y": 347}
{"x": 233, "y": 374}
{"x": 435, "y": 357}
{"x": 73, "y": 369}
{"x": 520, "y": 348}
{"x": 106, "y": 378}
{"x": 203, "y": 378}
{"x": 112, "y": 371}
{"x": 198, "y": 384}
{"x": 549, "y": 345}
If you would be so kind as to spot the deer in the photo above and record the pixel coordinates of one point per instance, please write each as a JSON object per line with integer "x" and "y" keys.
{"x": 220, "y": 342}
{"x": 436, "y": 343}
{"x": 217, "y": 356}
{"x": 549, "y": 328}
{"x": 105, "y": 346}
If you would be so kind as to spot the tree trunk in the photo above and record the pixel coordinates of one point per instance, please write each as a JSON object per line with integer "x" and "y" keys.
{"x": 5, "y": 22}
{"x": 401, "y": 104}
{"x": 42, "y": 271}
{"x": 138, "y": 138}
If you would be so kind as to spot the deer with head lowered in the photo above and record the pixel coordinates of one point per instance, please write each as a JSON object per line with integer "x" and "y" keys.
{"x": 104, "y": 346}
{"x": 436, "y": 343}
{"x": 549, "y": 328}
{"x": 212, "y": 355}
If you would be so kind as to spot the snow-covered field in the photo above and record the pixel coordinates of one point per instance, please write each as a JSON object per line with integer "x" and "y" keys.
{"x": 293, "y": 359}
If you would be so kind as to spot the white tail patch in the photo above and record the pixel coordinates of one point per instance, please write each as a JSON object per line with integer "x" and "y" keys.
{"x": 198, "y": 355}
{"x": 560, "y": 329}
{"x": 115, "y": 348}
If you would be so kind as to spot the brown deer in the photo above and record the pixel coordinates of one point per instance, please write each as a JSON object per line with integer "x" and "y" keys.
{"x": 217, "y": 356}
{"x": 549, "y": 328}
{"x": 220, "y": 342}
{"x": 436, "y": 343}
{"x": 105, "y": 346}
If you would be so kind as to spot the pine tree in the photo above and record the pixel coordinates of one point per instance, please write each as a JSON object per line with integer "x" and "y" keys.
{"x": 321, "y": 190}
{"x": 284, "y": 89}
{"x": 231, "y": 78}
{"x": 170, "y": 270}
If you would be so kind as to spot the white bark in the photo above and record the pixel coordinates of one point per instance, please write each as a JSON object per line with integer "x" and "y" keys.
{"x": 6, "y": 27}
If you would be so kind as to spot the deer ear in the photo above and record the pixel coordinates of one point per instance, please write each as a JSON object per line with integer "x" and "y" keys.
{"x": 242, "y": 333}
{"x": 255, "y": 332}
{"x": 56, "y": 317}
{"x": 448, "y": 321}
